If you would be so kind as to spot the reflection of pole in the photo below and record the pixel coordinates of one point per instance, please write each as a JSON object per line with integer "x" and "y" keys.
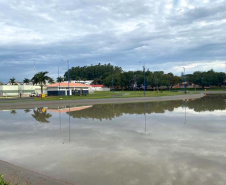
{"x": 69, "y": 127}
{"x": 145, "y": 126}
{"x": 59, "y": 117}
{"x": 185, "y": 104}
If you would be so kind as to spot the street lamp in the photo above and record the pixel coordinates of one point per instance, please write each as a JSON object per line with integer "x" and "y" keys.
{"x": 68, "y": 79}
{"x": 144, "y": 76}
{"x": 184, "y": 81}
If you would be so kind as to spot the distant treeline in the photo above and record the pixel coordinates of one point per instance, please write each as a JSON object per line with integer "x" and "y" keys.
{"x": 114, "y": 76}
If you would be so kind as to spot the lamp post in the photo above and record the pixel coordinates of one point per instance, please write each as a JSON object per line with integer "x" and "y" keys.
{"x": 184, "y": 82}
{"x": 144, "y": 76}
{"x": 68, "y": 79}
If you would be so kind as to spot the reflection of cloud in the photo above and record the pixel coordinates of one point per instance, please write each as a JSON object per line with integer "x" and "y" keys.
{"x": 203, "y": 113}
{"x": 115, "y": 152}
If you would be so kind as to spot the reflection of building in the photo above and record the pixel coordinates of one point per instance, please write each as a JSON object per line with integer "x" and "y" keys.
{"x": 71, "y": 109}
{"x": 74, "y": 88}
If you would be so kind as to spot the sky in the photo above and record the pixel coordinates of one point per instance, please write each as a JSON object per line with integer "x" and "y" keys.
{"x": 164, "y": 35}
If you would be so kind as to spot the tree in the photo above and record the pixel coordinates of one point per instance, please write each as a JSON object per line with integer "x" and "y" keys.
{"x": 60, "y": 79}
{"x": 12, "y": 80}
{"x": 40, "y": 78}
{"x": 26, "y": 80}
{"x": 41, "y": 115}
{"x": 51, "y": 81}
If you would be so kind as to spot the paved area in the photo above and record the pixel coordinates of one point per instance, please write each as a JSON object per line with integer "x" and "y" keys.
{"x": 57, "y": 103}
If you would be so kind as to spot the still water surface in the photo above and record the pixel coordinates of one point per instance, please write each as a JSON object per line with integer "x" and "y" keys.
{"x": 157, "y": 143}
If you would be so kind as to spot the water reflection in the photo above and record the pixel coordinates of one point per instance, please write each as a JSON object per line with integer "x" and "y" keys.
{"x": 113, "y": 150}
{"x": 110, "y": 111}
{"x": 41, "y": 115}
{"x": 13, "y": 112}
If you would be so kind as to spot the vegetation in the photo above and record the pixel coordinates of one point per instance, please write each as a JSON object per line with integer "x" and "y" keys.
{"x": 116, "y": 78}
{"x": 41, "y": 78}
{"x": 26, "y": 80}
{"x": 2, "y": 181}
{"x": 12, "y": 80}
{"x": 114, "y": 94}
{"x": 60, "y": 79}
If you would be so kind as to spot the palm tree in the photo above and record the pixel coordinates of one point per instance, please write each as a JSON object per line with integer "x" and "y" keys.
{"x": 12, "y": 80}
{"x": 40, "y": 78}
{"x": 41, "y": 115}
{"x": 51, "y": 81}
{"x": 26, "y": 80}
{"x": 60, "y": 79}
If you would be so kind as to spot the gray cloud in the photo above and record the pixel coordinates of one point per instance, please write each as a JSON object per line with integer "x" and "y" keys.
{"x": 121, "y": 32}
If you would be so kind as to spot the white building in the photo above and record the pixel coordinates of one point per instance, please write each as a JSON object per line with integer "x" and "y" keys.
{"x": 25, "y": 90}
{"x": 62, "y": 89}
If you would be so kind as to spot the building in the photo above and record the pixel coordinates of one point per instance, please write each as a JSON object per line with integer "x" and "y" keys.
{"x": 62, "y": 89}
{"x": 99, "y": 88}
{"x": 25, "y": 90}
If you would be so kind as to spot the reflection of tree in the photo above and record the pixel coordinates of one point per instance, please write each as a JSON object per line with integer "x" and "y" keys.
{"x": 208, "y": 103}
{"x": 110, "y": 111}
{"x": 27, "y": 110}
{"x": 41, "y": 115}
{"x": 13, "y": 111}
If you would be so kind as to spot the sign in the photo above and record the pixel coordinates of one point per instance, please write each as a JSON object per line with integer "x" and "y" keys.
{"x": 43, "y": 96}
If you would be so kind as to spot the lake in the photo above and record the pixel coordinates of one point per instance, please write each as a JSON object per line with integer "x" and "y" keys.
{"x": 157, "y": 143}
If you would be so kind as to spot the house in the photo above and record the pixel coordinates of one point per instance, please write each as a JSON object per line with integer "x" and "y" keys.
{"x": 99, "y": 88}
{"x": 25, "y": 90}
{"x": 67, "y": 89}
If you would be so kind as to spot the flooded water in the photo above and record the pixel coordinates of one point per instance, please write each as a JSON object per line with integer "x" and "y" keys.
{"x": 158, "y": 143}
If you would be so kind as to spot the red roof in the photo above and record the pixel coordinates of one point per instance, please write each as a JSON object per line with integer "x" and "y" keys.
{"x": 97, "y": 85}
{"x": 65, "y": 84}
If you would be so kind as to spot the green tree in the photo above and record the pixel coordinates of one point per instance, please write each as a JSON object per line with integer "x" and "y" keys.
{"x": 40, "y": 78}
{"x": 26, "y": 80}
{"x": 41, "y": 115}
{"x": 60, "y": 79}
{"x": 12, "y": 80}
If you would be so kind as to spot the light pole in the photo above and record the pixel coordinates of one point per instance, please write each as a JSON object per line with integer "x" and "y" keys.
{"x": 68, "y": 79}
{"x": 184, "y": 82}
{"x": 144, "y": 76}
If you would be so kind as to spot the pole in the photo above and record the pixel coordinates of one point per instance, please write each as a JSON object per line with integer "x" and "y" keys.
{"x": 169, "y": 82}
{"x": 225, "y": 77}
{"x": 68, "y": 80}
{"x": 144, "y": 79}
{"x": 184, "y": 82}
{"x": 59, "y": 83}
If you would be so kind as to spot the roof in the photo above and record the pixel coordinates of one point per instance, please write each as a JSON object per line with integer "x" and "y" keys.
{"x": 72, "y": 109}
{"x": 97, "y": 85}
{"x": 63, "y": 84}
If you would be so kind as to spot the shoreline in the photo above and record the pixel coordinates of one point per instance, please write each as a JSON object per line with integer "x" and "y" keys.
{"x": 18, "y": 175}
{"x": 57, "y": 103}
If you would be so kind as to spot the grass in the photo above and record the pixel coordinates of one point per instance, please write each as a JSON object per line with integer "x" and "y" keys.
{"x": 2, "y": 181}
{"x": 113, "y": 94}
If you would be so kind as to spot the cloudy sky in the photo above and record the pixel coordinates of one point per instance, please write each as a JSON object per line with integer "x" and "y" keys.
{"x": 162, "y": 34}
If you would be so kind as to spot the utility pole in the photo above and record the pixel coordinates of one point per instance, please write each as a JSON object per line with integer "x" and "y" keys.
{"x": 184, "y": 81}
